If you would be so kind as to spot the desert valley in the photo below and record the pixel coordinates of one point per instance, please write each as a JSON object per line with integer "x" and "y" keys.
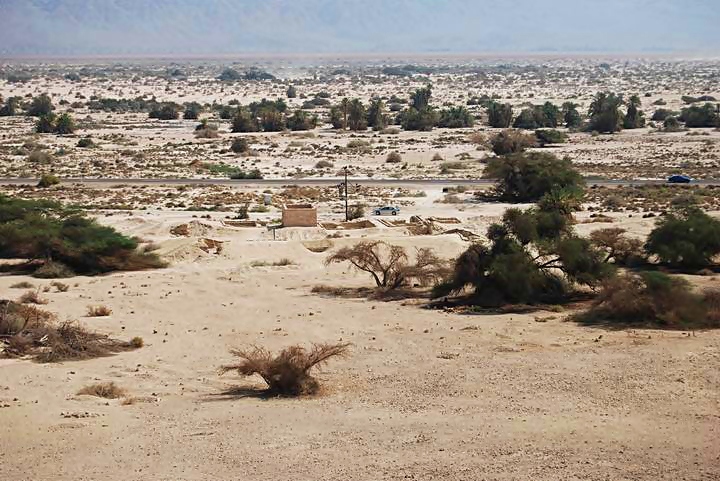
{"x": 538, "y": 303}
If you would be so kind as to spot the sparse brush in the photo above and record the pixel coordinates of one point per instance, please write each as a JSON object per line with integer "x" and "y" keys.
{"x": 98, "y": 311}
{"x": 28, "y": 330}
{"x": 288, "y": 373}
{"x": 60, "y": 286}
{"x": 106, "y": 390}
{"x": 53, "y": 270}
{"x": 32, "y": 297}
{"x": 22, "y": 285}
{"x": 137, "y": 342}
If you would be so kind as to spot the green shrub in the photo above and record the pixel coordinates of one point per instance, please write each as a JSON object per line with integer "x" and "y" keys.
{"x": 605, "y": 115}
{"x": 46, "y": 231}
{"x": 64, "y": 124}
{"x": 40, "y": 106}
{"x": 393, "y": 158}
{"x": 165, "y": 111}
{"x": 301, "y": 120}
{"x": 192, "y": 111}
{"x": 243, "y": 121}
{"x": 45, "y": 124}
{"x": 499, "y": 115}
{"x": 240, "y": 145}
{"x": 455, "y": 118}
{"x": 571, "y": 116}
{"x": 550, "y": 136}
{"x": 48, "y": 180}
{"x": 533, "y": 257}
{"x": 527, "y": 177}
{"x": 671, "y": 124}
{"x": 696, "y": 116}
{"x": 689, "y": 239}
{"x": 661, "y": 114}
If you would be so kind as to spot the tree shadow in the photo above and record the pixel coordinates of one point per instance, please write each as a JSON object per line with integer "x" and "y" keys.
{"x": 234, "y": 393}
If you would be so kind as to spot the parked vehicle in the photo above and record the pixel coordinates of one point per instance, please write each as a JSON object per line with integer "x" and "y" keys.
{"x": 387, "y": 210}
{"x": 679, "y": 179}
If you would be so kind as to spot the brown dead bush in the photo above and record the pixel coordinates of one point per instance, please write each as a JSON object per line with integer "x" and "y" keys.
{"x": 389, "y": 264}
{"x": 27, "y": 330}
{"x": 106, "y": 390}
{"x": 653, "y": 299}
{"x": 288, "y": 373}
{"x": 619, "y": 248}
{"x": 32, "y": 297}
{"x": 98, "y": 311}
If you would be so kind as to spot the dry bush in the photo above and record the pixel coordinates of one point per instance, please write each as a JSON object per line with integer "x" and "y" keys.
{"x": 29, "y": 330}
{"x": 53, "y": 270}
{"x": 107, "y": 390}
{"x": 393, "y": 158}
{"x": 323, "y": 164}
{"x": 388, "y": 264}
{"x": 478, "y": 138}
{"x": 98, "y": 311}
{"x": 619, "y": 248}
{"x": 288, "y": 373}
{"x": 511, "y": 142}
{"x": 22, "y": 285}
{"x": 60, "y": 286}
{"x": 284, "y": 262}
{"x": 32, "y": 297}
{"x": 653, "y": 299}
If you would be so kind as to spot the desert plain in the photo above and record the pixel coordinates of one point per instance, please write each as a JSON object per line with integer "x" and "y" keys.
{"x": 426, "y": 391}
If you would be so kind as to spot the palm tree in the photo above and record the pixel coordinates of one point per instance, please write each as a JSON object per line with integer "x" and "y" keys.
{"x": 356, "y": 115}
{"x": 345, "y": 107}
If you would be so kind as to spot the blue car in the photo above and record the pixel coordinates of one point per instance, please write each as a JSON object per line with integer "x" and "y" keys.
{"x": 679, "y": 179}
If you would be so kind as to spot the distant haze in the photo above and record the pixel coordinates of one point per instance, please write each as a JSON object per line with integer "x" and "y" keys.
{"x": 215, "y": 27}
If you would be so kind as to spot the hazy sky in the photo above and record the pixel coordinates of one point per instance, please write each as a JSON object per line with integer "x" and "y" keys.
{"x": 126, "y": 27}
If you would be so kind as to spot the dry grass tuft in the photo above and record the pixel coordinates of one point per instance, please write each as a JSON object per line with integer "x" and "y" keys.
{"x": 107, "y": 390}
{"x": 32, "y": 297}
{"x": 288, "y": 373}
{"x": 60, "y": 286}
{"x": 27, "y": 330}
{"x": 98, "y": 311}
{"x": 22, "y": 285}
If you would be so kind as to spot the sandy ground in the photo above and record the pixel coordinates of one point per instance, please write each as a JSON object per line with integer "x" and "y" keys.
{"x": 424, "y": 395}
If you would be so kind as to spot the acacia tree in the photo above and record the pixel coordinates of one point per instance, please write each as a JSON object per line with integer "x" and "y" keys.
{"x": 688, "y": 239}
{"x": 619, "y": 248}
{"x": 389, "y": 264}
{"x": 527, "y": 177}
{"x": 40, "y": 106}
{"x": 532, "y": 256}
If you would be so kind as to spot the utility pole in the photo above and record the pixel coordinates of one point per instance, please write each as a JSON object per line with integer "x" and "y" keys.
{"x": 344, "y": 192}
{"x": 347, "y": 212}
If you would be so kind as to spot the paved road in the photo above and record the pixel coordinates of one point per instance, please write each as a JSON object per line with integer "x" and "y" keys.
{"x": 318, "y": 182}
